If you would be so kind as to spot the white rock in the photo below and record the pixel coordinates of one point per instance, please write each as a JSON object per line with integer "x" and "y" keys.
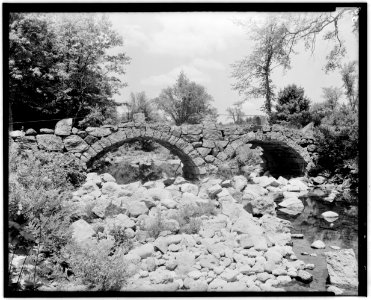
{"x": 82, "y": 232}
{"x": 214, "y": 190}
{"x": 342, "y": 268}
{"x": 292, "y": 206}
{"x": 189, "y": 188}
{"x": 333, "y": 289}
{"x": 330, "y": 216}
{"x": 195, "y": 274}
{"x": 318, "y": 245}
{"x": 143, "y": 251}
{"x": 239, "y": 182}
{"x": 107, "y": 177}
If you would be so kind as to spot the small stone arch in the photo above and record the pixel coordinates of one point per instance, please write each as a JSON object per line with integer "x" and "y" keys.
{"x": 281, "y": 155}
{"x": 193, "y": 163}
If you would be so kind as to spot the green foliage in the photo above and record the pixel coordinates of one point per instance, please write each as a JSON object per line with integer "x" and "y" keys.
{"x": 292, "y": 107}
{"x": 332, "y": 96}
{"x": 121, "y": 239}
{"x": 185, "y": 102}
{"x": 139, "y": 103}
{"x": 337, "y": 139}
{"x": 349, "y": 75}
{"x": 39, "y": 183}
{"x": 189, "y": 216}
{"x": 96, "y": 266}
{"x": 318, "y": 111}
{"x": 60, "y": 65}
{"x": 253, "y": 74}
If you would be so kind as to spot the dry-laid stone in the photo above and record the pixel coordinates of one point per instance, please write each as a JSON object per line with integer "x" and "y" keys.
{"x": 63, "y": 127}
{"x": 74, "y": 143}
{"x": 98, "y": 131}
{"x": 49, "y": 142}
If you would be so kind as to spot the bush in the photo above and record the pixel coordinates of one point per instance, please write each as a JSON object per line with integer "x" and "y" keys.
{"x": 39, "y": 183}
{"x": 121, "y": 239}
{"x": 337, "y": 147}
{"x": 189, "y": 216}
{"x": 96, "y": 266}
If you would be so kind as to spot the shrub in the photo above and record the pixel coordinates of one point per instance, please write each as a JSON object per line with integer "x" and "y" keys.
{"x": 121, "y": 239}
{"x": 189, "y": 216}
{"x": 39, "y": 183}
{"x": 96, "y": 266}
{"x": 292, "y": 107}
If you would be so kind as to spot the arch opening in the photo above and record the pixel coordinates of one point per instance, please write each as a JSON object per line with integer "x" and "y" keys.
{"x": 189, "y": 168}
{"x": 280, "y": 159}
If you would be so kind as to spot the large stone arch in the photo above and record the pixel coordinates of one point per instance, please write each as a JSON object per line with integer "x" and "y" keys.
{"x": 193, "y": 163}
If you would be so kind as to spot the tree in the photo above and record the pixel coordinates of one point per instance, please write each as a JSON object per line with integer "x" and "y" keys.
{"x": 32, "y": 56}
{"x": 275, "y": 40}
{"x": 139, "y": 103}
{"x": 350, "y": 83}
{"x": 185, "y": 102}
{"x": 60, "y": 66}
{"x": 253, "y": 73}
{"x": 292, "y": 107}
{"x": 235, "y": 112}
{"x": 318, "y": 111}
{"x": 332, "y": 96}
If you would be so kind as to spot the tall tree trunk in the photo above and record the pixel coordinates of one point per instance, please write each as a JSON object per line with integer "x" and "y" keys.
{"x": 268, "y": 105}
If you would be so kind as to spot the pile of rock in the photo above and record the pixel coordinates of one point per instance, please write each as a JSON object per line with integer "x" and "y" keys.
{"x": 233, "y": 250}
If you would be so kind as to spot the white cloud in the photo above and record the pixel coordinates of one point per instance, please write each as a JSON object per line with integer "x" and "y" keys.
{"x": 197, "y": 70}
{"x": 193, "y": 34}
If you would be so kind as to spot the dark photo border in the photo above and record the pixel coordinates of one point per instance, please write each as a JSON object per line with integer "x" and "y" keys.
{"x": 195, "y": 7}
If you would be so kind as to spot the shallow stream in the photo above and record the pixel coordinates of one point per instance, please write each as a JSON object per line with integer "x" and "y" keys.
{"x": 342, "y": 233}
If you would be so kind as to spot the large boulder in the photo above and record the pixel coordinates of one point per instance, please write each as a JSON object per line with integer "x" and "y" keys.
{"x": 16, "y": 134}
{"x": 210, "y": 227}
{"x": 292, "y": 206}
{"x": 246, "y": 224}
{"x": 49, "y": 142}
{"x": 136, "y": 208}
{"x": 277, "y": 231}
{"x": 74, "y": 143}
{"x": 318, "y": 245}
{"x": 342, "y": 268}
{"x": 262, "y": 205}
{"x": 63, "y": 127}
{"x": 239, "y": 182}
{"x": 143, "y": 251}
{"x": 82, "y": 232}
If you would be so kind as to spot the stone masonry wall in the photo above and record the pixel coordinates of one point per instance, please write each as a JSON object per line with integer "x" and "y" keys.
{"x": 203, "y": 148}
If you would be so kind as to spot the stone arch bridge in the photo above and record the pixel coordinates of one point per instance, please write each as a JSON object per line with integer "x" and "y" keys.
{"x": 202, "y": 148}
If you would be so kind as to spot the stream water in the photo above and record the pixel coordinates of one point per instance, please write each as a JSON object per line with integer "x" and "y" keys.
{"x": 342, "y": 233}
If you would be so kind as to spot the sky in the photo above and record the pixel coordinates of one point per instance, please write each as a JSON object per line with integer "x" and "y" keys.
{"x": 203, "y": 46}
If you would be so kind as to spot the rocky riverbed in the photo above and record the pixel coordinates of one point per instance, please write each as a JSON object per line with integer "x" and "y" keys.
{"x": 236, "y": 242}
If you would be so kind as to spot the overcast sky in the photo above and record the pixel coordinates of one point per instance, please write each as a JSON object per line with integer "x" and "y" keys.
{"x": 204, "y": 45}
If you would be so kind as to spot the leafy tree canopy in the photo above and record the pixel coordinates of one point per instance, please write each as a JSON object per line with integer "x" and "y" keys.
{"x": 292, "y": 107}
{"x": 186, "y": 101}
{"x": 63, "y": 65}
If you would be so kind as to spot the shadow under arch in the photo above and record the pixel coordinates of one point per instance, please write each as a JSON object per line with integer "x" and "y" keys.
{"x": 190, "y": 169}
{"x": 279, "y": 158}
